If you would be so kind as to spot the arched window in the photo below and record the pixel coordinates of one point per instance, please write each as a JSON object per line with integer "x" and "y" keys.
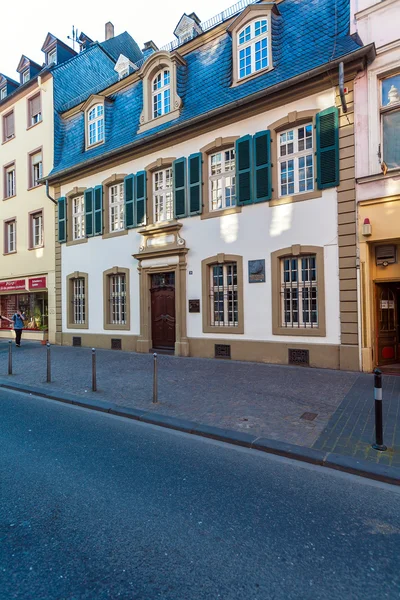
{"x": 252, "y": 47}
{"x": 161, "y": 93}
{"x": 96, "y": 124}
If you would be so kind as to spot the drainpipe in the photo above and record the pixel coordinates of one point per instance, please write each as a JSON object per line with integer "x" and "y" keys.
{"x": 341, "y": 87}
{"x": 47, "y": 192}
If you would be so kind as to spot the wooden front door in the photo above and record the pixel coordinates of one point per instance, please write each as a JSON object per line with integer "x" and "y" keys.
{"x": 387, "y": 324}
{"x": 163, "y": 311}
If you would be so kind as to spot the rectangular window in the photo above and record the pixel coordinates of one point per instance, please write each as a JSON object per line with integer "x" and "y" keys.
{"x": 390, "y": 117}
{"x": 34, "y": 110}
{"x": 162, "y": 195}
{"x": 35, "y": 168}
{"x": 25, "y": 76}
{"x": 79, "y": 301}
{"x": 3, "y": 93}
{"x": 8, "y": 126}
{"x": 52, "y": 57}
{"x": 116, "y": 207}
{"x": 78, "y": 217}
{"x": 299, "y": 292}
{"x": 36, "y": 225}
{"x": 222, "y": 179}
{"x": 10, "y": 236}
{"x": 296, "y": 161}
{"x": 117, "y": 298}
{"x": 224, "y": 295}
{"x": 10, "y": 188}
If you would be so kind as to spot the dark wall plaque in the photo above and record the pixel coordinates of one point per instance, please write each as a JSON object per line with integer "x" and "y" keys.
{"x": 194, "y": 306}
{"x": 256, "y": 271}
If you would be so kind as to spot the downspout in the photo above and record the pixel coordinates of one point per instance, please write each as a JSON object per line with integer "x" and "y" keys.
{"x": 341, "y": 87}
{"x": 47, "y": 192}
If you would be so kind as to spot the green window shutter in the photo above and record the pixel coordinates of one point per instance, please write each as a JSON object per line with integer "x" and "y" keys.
{"x": 243, "y": 154}
{"x": 89, "y": 212}
{"x": 98, "y": 210}
{"x": 262, "y": 166}
{"x": 195, "y": 184}
{"x": 140, "y": 198}
{"x": 179, "y": 177}
{"x": 62, "y": 219}
{"x": 129, "y": 200}
{"x": 327, "y": 128}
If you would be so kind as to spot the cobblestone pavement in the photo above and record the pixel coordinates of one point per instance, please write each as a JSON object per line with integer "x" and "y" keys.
{"x": 352, "y": 427}
{"x": 265, "y": 400}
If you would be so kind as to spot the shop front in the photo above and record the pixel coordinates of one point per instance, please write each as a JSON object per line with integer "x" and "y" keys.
{"x": 30, "y": 296}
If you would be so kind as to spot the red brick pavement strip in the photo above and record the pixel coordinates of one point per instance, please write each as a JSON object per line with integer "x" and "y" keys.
{"x": 310, "y": 455}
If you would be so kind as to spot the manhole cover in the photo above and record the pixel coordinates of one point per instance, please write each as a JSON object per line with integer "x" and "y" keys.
{"x": 307, "y": 416}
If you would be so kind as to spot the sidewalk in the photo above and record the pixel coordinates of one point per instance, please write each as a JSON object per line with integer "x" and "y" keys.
{"x": 327, "y": 411}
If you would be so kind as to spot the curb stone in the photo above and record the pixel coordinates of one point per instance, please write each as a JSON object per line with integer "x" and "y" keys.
{"x": 334, "y": 461}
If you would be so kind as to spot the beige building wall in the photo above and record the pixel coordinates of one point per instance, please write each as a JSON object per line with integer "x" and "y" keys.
{"x": 26, "y": 263}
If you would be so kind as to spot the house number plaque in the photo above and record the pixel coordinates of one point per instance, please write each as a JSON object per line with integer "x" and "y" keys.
{"x": 194, "y": 306}
{"x": 256, "y": 271}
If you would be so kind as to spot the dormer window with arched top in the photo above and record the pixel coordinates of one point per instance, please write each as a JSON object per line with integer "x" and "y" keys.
{"x": 251, "y": 41}
{"x": 93, "y": 109}
{"x": 161, "y": 102}
{"x": 161, "y": 93}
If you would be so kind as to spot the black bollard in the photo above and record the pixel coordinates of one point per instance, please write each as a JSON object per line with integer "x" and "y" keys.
{"x": 94, "y": 379}
{"x": 379, "y": 445}
{"x": 48, "y": 379}
{"x": 10, "y": 358}
{"x": 155, "y": 383}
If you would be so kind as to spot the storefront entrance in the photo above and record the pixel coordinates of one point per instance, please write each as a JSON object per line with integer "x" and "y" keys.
{"x": 163, "y": 311}
{"x": 388, "y": 324}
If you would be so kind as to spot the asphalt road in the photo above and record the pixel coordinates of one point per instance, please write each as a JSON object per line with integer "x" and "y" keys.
{"x": 98, "y": 507}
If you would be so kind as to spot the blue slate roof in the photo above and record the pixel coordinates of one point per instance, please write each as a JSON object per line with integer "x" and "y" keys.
{"x": 306, "y": 35}
{"x": 123, "y": 44}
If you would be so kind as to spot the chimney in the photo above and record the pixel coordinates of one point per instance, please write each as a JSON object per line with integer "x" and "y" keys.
{"x": 109, "y": 30}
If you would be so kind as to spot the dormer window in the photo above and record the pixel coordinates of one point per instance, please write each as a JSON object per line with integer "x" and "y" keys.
{"x": 3, "y": 92}
{"x": 161, "y": 93}
{"x": 52, "y": 57}
{"x": 253, "y": 48}
{"x": 96, "y": 124}
{"x": 25, "y": 76}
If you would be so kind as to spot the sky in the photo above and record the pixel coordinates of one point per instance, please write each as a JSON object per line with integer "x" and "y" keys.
{"x": 149, "y": 20}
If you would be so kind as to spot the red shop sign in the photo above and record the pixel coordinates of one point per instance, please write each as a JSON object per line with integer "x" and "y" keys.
{"x": 12, "y": 285}
{"x": 37, "y": 283}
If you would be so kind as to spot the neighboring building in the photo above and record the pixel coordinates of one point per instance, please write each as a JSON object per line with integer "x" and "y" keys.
{"x": 377, "y": 102}
{"x": 206, "y": 194}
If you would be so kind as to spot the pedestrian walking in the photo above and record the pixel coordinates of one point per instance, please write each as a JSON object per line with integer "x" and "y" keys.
{"x": 18, "y": 319}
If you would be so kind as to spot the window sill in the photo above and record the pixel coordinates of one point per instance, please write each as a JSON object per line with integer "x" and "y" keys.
{"x": 212, "y": 329}
{"x": 34, "y": 125}
{"x": 299, "y": 331}
{"x": 296, "y": 198}
{"x": 174, "y": 114}
{"x": 9, "y": 197}
{"x": 379, "y": 176}
{"x": 77, "y": 326}
{"x": 112, "y": 234}
{"x": 76, "y": 242}
{"x": 89, "y": 147}
{"x": 35, "y": 187}
{"x": 222, "y": 212}
{"x": 9, "y": 140}
{"x": 35, "y": 248}
{"x": 237, "y": 82}
{"x": 113, "y": 327}
{"x": 9, "y": 253}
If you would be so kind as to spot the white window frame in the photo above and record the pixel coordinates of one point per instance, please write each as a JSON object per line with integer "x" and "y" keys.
{"x": 95, "y": 124}
{"x": 11, "y": 237}
{"x": 293, "y": 153}
{"x": 52, "y": 56}
{"x": 228, "y": 290}
{"x": 387, "y": 109}
{"x": 250, "y": 40}
{"x": 11, "y": 188}
{"x": 78, "y": 217}
{"x": 79, "y": 301}
{"x": 116, "y": 207}
{"x": 37, "y": 229}
{"x": 118, "y": 298}
{"x": 222, "y": 181}
{"x": 3, "y": 92}
{"x": 298, "y": 292}
{"x": 163, "y": 205}
{"x": 37, "y": 168}
{"x": 25, "y": 76}
{"x": 161, "y": 93}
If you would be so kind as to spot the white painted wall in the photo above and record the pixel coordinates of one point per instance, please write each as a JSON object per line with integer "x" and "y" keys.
{"x": 254, "y": 233}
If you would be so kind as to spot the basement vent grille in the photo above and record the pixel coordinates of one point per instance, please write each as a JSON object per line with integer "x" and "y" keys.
{"x": 222, "y": 351}
{"x": 299, "y": 357}
{"x": 116, "y": 344}
{"x": 77, "y": 341}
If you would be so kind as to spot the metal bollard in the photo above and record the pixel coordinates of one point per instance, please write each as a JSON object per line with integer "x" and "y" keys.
{"x": 155, "y": 384}
{"x": 48, "y": 379}
{"x": 94, "y": 380}
{"x": 10, "y": 358}
{"x": 379, "y": 445}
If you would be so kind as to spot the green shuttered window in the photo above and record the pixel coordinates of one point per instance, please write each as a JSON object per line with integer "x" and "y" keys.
{"x": 244, "y": 156}
{"x": 195, "y": 183}
{"x": 327, "y": 129}
{"x": 89, "y": 212}
{"x": 129, "y": 182}
{"x": 262, "y": 166}
{"x": 62, "y": 219}
{"x": 179, "y": 176}
{"x": 98, "y": 210}
{"x": 253, "y": 168}
{"x": 140, "y": 198}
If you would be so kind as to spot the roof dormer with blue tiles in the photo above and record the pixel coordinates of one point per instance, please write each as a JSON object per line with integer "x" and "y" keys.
{"x": 7, "y": 86}
{"x": 27, "y": 69}
{"x": 242, "y": 55}
{"x": 56, "y": 52}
